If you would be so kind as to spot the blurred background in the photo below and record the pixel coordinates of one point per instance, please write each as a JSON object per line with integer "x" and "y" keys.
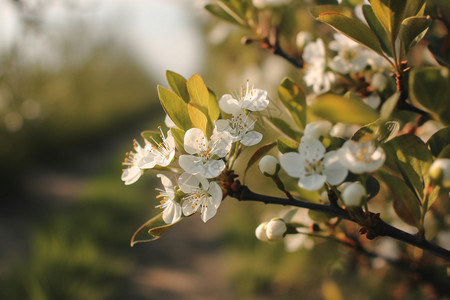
{"x": 77, "y": 83}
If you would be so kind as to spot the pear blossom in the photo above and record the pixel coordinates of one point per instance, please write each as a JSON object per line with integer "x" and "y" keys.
{"x": 244, "y": 99}
{"x": 316, "y": 74}
{"x": 313, "y": 166}
{"x": 240, "y": 127}
{"x": 200, "y": 195}
{"x": 133, "y": 159}
{"x": 172, "y": 209}
{"x": 352, "y": 57}
{"x": 361, "y": 157}
{"x": 204, "y": 158}
{"x": 260, "y": 232}
{"x": 160, "y": 154}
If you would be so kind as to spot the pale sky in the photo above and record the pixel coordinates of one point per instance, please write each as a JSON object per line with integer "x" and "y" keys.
{"x": 161, "y": 33}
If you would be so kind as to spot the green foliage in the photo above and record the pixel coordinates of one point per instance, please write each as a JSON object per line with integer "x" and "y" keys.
{"x": 294, "y": 99}
{"x": 175, "y": 108}
{"x": 151, "y": 230}
{"x": 439, "y": 141}
{"x": 430, "y": 86}
{"x": 404, "y": 201}
{"x": 378, "y": 29}
{"x": 258, "y": 154}
{"x": 285, "y": 145}
{"x": 343, "y": 109}
{"x": 177, "y": 83}
{"x": 285, "y": 128}
{"x": 383, "y": 132}
{"x": 413, "y": 160}
{"x": 389, "y": 106}
{"x": 412, "y": 30}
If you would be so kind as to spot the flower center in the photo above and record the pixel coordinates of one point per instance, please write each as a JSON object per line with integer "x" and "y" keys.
{"x": 363, "y": 152}
{"x": 197, "y": 199}
{"x": 314, "y": 167}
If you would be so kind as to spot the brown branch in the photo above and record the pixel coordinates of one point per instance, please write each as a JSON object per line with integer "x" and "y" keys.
{"x": 378, "y": 228}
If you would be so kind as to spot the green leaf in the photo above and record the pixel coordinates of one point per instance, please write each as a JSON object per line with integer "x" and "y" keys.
{"x": 198, "y": 92}
{"x": 382, "y": 131}
{"x": 219, "y": 12}
{"x": 175, "y": 107}
{"x": 405, "y": 204}
{"x": 354, "y": 29}
{"x": 413, "y": 159}
{"x": 178, "y": 135}
{"x": 412, "y": 30}
{"x": 178, "y": 84}
{"x": 430, "y": 86}
{"x": 260, "y": 152}
{"x": 378, "y": 29}
{"x": 342, "y": 9}
{"x": 341, "y": 109}
{"x": 293, "y": 98}
{"x": 151, "y": 230}
{"x": 199, "y": 119}
{"x": 213, "y": 107}
{"x": 445, "y": 152}
{"x": 389, "y": 106}
{"x": 285, "y": 128}
{"x": 439, "y": 140}
{"x": 285, "y": 145}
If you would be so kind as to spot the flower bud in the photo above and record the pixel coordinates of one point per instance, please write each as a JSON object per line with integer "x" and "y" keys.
{"x": 439, "y": 172}
{"x": 276, "y": 228}
{"x": 260, "y": 232}
{"x": 268, "y": 165}
{"x": 353, "y": 194}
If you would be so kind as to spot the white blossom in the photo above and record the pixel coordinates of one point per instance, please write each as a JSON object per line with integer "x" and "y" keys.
{"x": 240, "y": 127}
{"x": 317, "y": 129}
{"x": 260, "y": 232}
{"x": 171, "y": 208}
{"x": 352, "y": 57}
{"x": 132, "y": 160}
{"x": 247, "y": 98}
{"x": 201, "y": 195}
{"x": 204, "y": 158}
{"x": 316, "y": 74}
{"x": 361, "y": 157}
{"x": 275, "y": 229}
{"x": 160, "y": 154}
{"x": 313, "y": 166}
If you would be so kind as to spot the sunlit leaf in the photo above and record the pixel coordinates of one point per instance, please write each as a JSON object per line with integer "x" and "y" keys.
{"x": 412, "y": 30}
{"x": 352, "y": 28}
{"x": 199, "y": 119}
{"x": 213, "y": 107}
{"x": 293, "y": 98}
{"x": 405, "y": 203}
{"x": 285, "y": 145}
{"x": 198, "y": 92}
{"x": 378, "y": 29}
{"x": 178, "y": 84}
{"x": 413, "y": 159}
{"x": 317, "y": 10}
{"x": 342, "y": 109}
{"x": 439, "y": 140}
{"x": 175, "y": 107}
{"x": 151, "y": 230}
{"x": 219, "y": 12}
{"x": 178, "y": 135}
{"x": 285, "y": 128}
{"x": 389, "y": 106}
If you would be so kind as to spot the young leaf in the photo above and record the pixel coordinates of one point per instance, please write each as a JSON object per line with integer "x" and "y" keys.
{"x": 378, "y": 29}
{"x": 198, "y": 92}
{"x": 178, "y": 135}
{"x": 383, "y": 131}
{"x": 213, "y": 107}
{"x": 284, "y": 128}
{"x": 259, "y": 153}
{"x": 319, "y": 9}
{"x": 354, "y": 29}
{"x": 430, "y": 86}
{"x": 151, "y": 230}
{"x": 405, "y": 204}
{"x": 178, "y": 84}
{"x": 412, "y": 30}
{"x": 199, "y": 119}
{"x": 285, "y": 145}
{"x": 293, "y": 98}
{"x": 439, "y": 140}
{"x": 175, "y": 107}
{"x": 413, "y": 159}
{"x": 219, "y": 12}
{"x": 341, "y": 109}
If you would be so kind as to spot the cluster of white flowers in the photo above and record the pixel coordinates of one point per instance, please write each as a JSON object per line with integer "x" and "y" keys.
{"x": 197, "y": 188}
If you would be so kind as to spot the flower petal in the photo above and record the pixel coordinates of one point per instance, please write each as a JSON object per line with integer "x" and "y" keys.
{"x": 257, "y": 100}
{"x": 216, "y": 194}
{"x": 172, "y": 212}
{"x": 188, "y": 208}
{"x": 228, "y": 104}
{"x": 188, "y": 183}
{"x": 191, "y": 164}
{"x": 335, "y": 171}
{"x": 212, "y": 168}
{"x": 312, "y": 182}
{"x": 208, "y": 211}
{"x": 251, "y": 138}
{"x": 194, "y": 141}
{"x": 131, "y": 175}
{"x": 168, "y": 186}
{"x": 293, "y": 164}
{"x": 311, "y": 149}
{"x": 220, "y": 143}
